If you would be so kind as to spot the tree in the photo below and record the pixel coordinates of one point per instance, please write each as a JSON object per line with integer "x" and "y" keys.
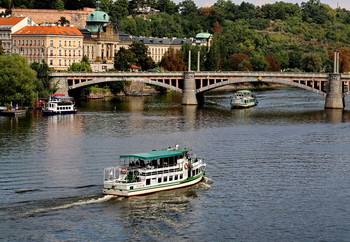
{"x": 173, "y": 60}
{"x": 272, "y": 63}
{"x": 311, "y": 62}
{"x": 1, "y": 48}
{"x": 123, "y": 59}
{"x": 59, "y": 5}
{"x": 240, "y": 62}
{"x": 17, "y": 80}
{"x": 82, "y": 66}
{"x": 63, "y": 21}
{"x": 140, "y": 51}
{"x": 344, "y": 59}
{"x": 167, "y": 6}
{"x": 42, "y": 70}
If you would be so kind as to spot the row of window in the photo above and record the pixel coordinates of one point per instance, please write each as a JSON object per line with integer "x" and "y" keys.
{"x": 64, "y": 108}
{"x": 157, "y": 172}
{"x": 163, "y": 179}
{"x": 42, "y": 42}
{"x": 39, "y": 51}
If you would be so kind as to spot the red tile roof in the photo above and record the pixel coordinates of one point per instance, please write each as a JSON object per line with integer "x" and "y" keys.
{"x": 10, "y": 20}
{"x": 49, "y": 30}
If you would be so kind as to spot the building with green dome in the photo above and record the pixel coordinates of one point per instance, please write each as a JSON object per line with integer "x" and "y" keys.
{"x": 97, "y": 21}
{"x": 100, "y": 40}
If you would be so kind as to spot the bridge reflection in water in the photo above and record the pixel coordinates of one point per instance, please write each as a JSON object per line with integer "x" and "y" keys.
{"x": 192, "y": 85}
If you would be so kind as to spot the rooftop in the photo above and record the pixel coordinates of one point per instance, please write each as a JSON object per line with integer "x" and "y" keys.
{"x": 49, "y": 30}
{"x": 10, "y": 21}
{"x": 156, "y": 154}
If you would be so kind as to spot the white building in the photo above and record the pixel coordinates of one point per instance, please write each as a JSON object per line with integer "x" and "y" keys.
{"x": 9, "y": 25}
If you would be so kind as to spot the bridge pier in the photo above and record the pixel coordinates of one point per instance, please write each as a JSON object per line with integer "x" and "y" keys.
{"x": 189, "y": 96}
{"x": 61, "y": 84}
{"x": 334, "y": 97}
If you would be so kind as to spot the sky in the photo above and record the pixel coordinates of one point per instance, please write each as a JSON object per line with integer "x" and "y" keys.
{"x": 332, "y": 3}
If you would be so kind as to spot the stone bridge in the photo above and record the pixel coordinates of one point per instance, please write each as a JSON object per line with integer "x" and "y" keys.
{"x": 192, "y": 85}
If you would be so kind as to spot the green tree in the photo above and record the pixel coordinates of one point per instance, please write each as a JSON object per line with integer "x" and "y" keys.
{"x": 311, "y": 62}
{"x": 58, "y": 5}
{"x": 42, "y": 70}
{"x": 1, "y": 48}
{"x": 17, "y": 80}
{"x": 123, "y": 59}
{"x": 80, "y": 66}
{"x": 140, "y": 51}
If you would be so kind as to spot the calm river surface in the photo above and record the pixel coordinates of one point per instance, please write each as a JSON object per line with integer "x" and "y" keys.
{"x": 277, "y": 172}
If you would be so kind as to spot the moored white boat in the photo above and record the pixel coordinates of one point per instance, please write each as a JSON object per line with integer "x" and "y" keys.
{"x": 243, "y": 99}
{"x": 153, "y": 171}
{"x": 59, "y": 104}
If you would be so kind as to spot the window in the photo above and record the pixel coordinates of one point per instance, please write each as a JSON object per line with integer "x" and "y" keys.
{"x": 148, "y": 182}
{"x": 170, "y": 178}
{"x": 51, "y": 42}
{"x": 176, "y": 177}
{"x": 159, "y": 180}
{"x": 51, "y": 62}
{"x": 165, "y": 179}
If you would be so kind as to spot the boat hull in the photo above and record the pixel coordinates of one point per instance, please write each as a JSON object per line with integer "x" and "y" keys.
{"x": 247, "y": 105}
{"x": 153, "y": 189}
{"x": 50, "y": 112}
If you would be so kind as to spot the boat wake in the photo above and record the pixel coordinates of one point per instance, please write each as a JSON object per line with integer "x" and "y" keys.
{"x": 207, "y": 180}
{"x": 73, "y": 204}
{"x": 205, "y": 183}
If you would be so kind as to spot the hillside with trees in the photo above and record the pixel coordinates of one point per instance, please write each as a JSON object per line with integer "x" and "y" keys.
{"x": 272, "y": 37}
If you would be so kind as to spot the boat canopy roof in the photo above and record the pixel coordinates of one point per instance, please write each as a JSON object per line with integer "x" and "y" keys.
{"x": 242, "y": 91}
{"x": 156, "y": 154}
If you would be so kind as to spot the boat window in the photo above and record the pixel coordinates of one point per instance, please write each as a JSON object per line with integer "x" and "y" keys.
{"x": 148, "y": 182}
{"x": 176, "y": 177}
{"x": 131, "y": 188}
{"x": 166, "y": 171}
{"x": 159, "y": 180}
{"x": 165, "y": 179}
{"x": 181, "y": 176}
{"x": 170, "y": 178}
{"x": 154, "y": 173}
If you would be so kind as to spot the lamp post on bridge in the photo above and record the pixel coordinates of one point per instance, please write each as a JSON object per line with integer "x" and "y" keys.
{"x": 334, "y": 96}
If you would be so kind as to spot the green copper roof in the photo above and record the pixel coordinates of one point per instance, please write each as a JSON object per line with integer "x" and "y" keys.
{"x": 203, "y": 35}
{"x": 156, "y": 154}
{"x": 96, "y": 20}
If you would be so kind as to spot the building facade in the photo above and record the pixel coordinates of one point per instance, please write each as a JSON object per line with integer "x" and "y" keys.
{"x": 76, "y": 18}
{"x": 100, "y": 40}
{"x": 9, "y": 25}
{"x": 58, "y": 46}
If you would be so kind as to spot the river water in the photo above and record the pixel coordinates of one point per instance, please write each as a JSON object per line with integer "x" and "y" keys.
{"x": 275, "y": 172}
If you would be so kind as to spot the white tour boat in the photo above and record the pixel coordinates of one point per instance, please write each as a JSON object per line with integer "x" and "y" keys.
{"x": 243, "y": 99}
{"x": 59, "y": 104}
{"x": 153, "y": 171}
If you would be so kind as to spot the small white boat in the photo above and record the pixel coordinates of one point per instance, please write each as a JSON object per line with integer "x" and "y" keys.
{"x": 153, "y": 171}
{"x": 243, "y": 99}
{"x": 59, "y": 104}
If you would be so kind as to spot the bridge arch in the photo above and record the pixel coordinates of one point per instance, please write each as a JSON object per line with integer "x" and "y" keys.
{"x": 250, "y": 80}
{"x": 95, "y": 81}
